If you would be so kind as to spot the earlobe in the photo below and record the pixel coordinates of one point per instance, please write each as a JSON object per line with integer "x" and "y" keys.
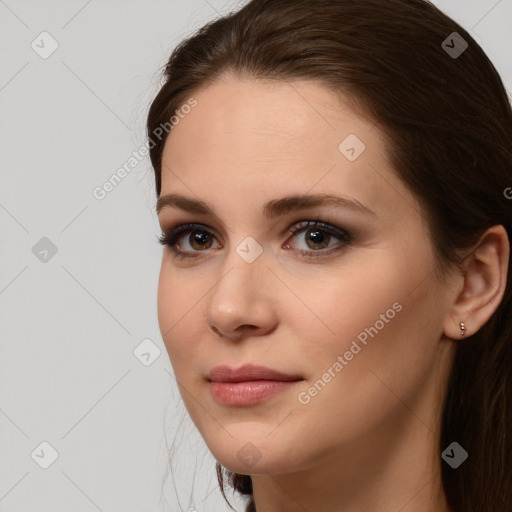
{"x": 483, "y": 286}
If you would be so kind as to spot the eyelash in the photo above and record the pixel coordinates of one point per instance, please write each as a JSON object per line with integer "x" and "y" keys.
{"x": 170, "y": 238}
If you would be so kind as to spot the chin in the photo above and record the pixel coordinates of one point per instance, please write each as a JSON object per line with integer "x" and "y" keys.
{"x": 252, "y": 454}
{"x": 255, "y": 464}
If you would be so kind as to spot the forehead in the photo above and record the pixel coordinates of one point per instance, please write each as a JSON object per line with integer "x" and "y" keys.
{"x": 265, "y": 115}
{"x": 251, "y": 139}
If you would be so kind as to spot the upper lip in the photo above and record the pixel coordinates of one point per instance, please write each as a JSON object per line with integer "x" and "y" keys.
{"x": 246, "y": 373}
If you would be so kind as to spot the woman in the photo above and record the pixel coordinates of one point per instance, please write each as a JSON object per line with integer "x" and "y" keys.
{"x": 334, "y": 195}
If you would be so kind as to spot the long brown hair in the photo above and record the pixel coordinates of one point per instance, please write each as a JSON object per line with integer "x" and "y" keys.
{"x": 447, "y": 122}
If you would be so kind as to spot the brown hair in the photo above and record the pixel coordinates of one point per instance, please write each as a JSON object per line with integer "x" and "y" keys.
{"x": 447, "y": 122}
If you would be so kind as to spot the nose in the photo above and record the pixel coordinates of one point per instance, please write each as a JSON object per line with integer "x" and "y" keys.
{"x": 242, "y": 303}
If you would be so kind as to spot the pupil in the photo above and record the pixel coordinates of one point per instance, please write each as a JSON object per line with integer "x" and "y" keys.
{"x": 317, "y": 237}
{"x": 200, "y": 238}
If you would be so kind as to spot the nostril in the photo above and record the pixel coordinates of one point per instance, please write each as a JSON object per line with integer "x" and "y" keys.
{"x": 216, "y": 331}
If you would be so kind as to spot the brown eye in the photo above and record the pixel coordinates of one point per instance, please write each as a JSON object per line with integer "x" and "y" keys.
{"x": 317, "y": 239}
{"x": 199, "y": 239}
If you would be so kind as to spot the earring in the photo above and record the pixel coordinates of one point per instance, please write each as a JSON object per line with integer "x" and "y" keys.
{"x": 462, "y": 329}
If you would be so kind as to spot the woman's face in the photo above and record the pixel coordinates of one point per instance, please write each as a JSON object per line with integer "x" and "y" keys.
{"x": 349, "y": 305}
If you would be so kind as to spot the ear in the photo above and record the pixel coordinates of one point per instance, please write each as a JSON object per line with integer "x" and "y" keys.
{"x": 482, "y": 285}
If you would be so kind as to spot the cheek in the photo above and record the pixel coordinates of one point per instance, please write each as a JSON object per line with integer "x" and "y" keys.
{"x": 386, "y": 333}
{"x": 381, "y": 299}
{"x": 337, "y": 306}
{"x": 177, "y": 317}
{"x": 179, "y": 310}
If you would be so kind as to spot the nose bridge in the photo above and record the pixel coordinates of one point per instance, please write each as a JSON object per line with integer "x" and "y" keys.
{"x": 242, "y": 273}
{"x": 241, "y": 295}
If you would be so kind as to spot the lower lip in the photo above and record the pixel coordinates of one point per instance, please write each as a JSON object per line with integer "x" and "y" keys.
{"x": 248, "y": 392}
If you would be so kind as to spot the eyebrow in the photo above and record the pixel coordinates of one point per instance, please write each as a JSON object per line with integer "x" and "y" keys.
{"x": 272, "y": 209}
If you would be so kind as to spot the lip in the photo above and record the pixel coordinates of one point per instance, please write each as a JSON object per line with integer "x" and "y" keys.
{"x": 248, "y": 385}
{"x": 248, "y": 372}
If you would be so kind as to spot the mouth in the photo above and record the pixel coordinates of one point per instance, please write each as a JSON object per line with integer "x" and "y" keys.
{"x": 248, "y": 385}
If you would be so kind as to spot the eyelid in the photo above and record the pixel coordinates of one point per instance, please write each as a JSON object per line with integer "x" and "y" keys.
{"x": 300, "y": 226}
{"x": 170, "y": 237}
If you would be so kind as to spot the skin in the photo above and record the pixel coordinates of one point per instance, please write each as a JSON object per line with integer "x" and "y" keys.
{"x": 368, "y": 441}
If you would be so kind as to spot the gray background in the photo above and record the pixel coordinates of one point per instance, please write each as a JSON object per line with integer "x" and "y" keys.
{"x": 70, "y": 324}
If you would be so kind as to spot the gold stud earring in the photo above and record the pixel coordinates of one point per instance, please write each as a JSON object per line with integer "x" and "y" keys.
{"x": 462, "y": 329}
